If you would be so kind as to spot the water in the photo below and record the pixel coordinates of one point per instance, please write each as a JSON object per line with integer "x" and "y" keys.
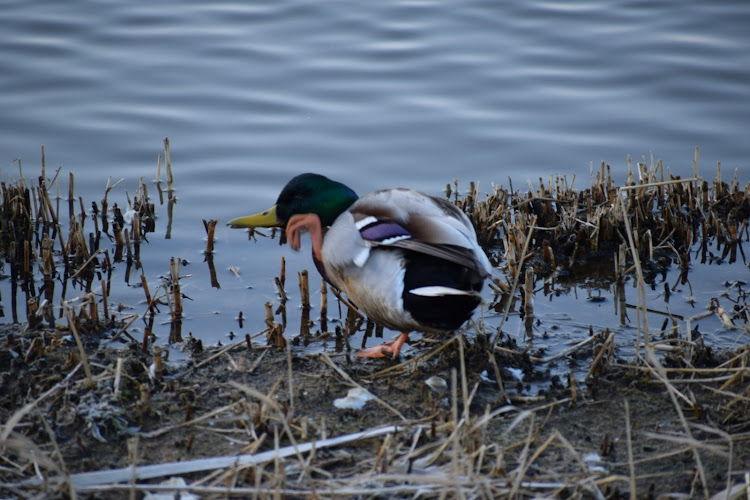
{"x": 376, "y": 94}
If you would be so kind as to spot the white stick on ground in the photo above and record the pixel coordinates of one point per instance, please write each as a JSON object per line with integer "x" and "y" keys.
{"x": 113, "y": 476}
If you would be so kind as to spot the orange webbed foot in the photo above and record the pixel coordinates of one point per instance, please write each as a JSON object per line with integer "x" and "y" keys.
{"x": 381, "y": 351}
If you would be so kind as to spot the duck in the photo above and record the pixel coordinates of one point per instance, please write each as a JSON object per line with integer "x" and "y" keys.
{"x": 408, "y": 260}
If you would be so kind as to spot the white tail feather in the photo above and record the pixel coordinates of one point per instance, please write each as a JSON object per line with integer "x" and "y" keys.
{"x": 438, "y": 291}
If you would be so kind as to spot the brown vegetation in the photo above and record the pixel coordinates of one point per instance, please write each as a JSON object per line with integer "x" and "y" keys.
{"x": 261, "y": 417}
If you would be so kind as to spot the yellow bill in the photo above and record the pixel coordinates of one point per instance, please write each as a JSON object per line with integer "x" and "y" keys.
{"x": 264, "y": 219}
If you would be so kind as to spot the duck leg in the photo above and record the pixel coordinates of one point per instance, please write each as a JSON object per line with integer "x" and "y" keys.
{"x": 311, "y": 223}
{"x": 381, "y": 351}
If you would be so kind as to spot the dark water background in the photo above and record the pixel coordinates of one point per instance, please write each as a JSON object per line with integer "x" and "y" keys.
{"x": 375, "y": 94}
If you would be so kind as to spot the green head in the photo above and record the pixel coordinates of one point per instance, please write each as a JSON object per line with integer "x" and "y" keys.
{"x": 305, "y": 194}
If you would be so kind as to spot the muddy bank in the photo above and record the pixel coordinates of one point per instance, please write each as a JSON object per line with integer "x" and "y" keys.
{"x": 583, "y": 440}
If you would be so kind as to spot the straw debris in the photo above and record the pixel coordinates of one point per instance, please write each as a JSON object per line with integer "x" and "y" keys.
{"x": 256, "y": 418}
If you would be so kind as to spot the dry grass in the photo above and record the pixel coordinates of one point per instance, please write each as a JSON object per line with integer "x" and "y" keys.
{"x": 470, "y": 441}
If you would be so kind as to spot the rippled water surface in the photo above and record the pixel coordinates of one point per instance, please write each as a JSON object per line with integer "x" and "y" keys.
{"x": 376, "y": 94}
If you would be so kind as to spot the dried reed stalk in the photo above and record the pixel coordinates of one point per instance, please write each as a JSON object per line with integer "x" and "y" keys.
{"x": 81, "y": 350}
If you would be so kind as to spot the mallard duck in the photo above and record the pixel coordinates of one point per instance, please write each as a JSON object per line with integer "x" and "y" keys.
{"x": 409, "y": 261}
